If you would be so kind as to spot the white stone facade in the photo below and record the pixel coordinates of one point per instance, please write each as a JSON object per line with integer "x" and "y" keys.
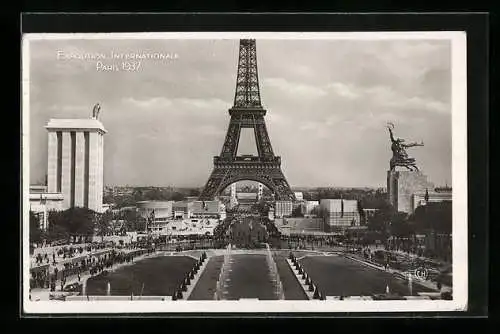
{"x": 340, "y": 212}
{"x": 402, "y": 185}
{"x": 76, "y": 162}
{"x": 283, "y": 209}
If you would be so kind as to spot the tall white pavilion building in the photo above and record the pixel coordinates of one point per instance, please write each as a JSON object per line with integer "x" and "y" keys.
{"x": 75, "y": 162}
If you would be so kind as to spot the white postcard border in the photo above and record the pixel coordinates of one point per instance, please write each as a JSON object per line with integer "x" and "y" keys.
{"x": 459, "y": 186}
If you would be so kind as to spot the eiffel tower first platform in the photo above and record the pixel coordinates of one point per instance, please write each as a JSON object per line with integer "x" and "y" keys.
{"x": 247, "y": 112}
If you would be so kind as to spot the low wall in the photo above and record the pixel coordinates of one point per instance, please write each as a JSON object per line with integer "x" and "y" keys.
{"x": 117, "y": 298}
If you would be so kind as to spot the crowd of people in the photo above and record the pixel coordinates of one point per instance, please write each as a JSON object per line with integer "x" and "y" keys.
{"x": 79, "y": 260}
{"x": 309, "y": 242}
{"x": 53, "y": 255}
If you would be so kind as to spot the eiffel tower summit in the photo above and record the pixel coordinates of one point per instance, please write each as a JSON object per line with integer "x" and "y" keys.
{"x": 247, "y": 112}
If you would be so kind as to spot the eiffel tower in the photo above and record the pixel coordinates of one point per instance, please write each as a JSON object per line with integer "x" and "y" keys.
{"x": 247, "y": 112}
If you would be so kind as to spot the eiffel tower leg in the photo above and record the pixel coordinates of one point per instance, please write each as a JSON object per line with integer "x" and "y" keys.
{"x": 212, "y": 188}
{"x": 282, "y": 189}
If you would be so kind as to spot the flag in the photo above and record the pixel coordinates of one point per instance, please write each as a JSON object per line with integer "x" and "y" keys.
{"x": 341, "y": 207}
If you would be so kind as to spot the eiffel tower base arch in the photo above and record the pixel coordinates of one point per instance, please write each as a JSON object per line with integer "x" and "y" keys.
{"x": 223, "y": 176}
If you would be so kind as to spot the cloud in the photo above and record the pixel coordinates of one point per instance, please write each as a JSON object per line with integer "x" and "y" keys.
{"x": 383, "y": 96}
{"x": 160, "y": 102}
{"x": 210, "y": 130}
{"x": 309, "y": 126}
{"x": 155, "y": 102}
{"x": 67, "y": 108}
{"x": 386, "y": 96}
{"x": 343, "y": 90}
{"x": 294, "y": 89}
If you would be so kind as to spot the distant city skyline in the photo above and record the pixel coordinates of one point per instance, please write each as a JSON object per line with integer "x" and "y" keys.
{"x": 242, "y": 185}
{"x": 327, "y": 102}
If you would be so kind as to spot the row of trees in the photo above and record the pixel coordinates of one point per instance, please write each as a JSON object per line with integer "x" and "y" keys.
{"x": 433, "y": 216}
{"x": 84, "y": 222}
{"x": 433, "y": 220}
{"x": 63, "y": 224}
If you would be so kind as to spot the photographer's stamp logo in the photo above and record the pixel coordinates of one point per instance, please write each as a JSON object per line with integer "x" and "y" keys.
{"x": 421, "y": 273}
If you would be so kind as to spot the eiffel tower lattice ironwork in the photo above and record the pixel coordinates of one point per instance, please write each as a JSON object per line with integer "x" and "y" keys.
{"x": 247, "y": 112}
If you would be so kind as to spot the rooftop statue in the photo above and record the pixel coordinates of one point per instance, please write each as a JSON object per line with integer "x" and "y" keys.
{"x": 96, "y": 111}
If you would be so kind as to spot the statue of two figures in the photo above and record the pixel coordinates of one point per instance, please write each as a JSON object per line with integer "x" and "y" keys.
{"x": 399, "y": 154}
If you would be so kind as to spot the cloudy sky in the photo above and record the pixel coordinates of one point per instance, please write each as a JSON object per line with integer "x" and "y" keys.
{"x": 327, "y": 105}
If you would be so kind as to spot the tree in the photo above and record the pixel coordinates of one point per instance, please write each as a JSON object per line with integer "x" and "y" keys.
{"x": 177, "y": 196}
{"x": 361, "y": 212}
{"x": 194, "y": 192}
{"x": 103, "y": 222}
{"x": 382, "y": 217}
{"x": 297, "y": 212}
{"x": 154, "y": 194}
{"x": 132, "y": 220}
{"x": 137, "y": 195}
{"x": 124, "y": 201}
{"x": 434, "y": 216}
{"x": 57, "y": 228}
{"x": 36, "y": 234}
{"x": 380, "y": 222}
{"x": 440, "y": 216}
{"x": 81, "y": 221}
{"x": 400, "y": 226}
{"x": 73, "y": 221}
{"x": 108, "y": 198}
